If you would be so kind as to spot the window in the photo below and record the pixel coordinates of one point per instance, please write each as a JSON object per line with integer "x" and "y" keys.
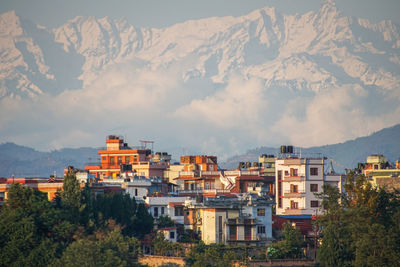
{"x": 127, "y": 159}
{"x": 376, "y": 167}
{"x": 155, "y": 211}
{"x": 294, "y": 205}
{"x": 104, "y": 158}
{"x": 279, "y": 175}
{"x": 162, "y": 210}
{"x": 314, "y": 204}
{"x": 112, "y": 160}
{"x": 314, "y": 171}
{"x": 172, "y": 235}
{"x": 293, "y": 172}
{"x": 260, "y": 212}
{"x": 119, "y": 160}
{"x": 178, "y": 211}
{"x": 136, "y": 192}
{"x": 286, "y": 173}
{"x": 294, "y": 188}
{"x": 314, "y": 187}
{"x": 261, "y": 229}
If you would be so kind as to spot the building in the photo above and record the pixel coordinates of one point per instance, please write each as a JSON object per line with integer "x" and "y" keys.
{"x": 380, "y": 172}
{"x": 46, "y": 185}
{"x": 200, "y": 176}
{"x": 246, "y": 219}
{"x": 118, "y": 156}
{"x": 170, "y": 233}
{"x": 298, "y": 179}
{"x": 166, "y": 206}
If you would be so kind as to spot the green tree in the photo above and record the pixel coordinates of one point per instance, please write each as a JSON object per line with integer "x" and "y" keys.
{"x": 290, "y": 246}
{"x": 361, "y": 229}
{"x": 165, "y": 221}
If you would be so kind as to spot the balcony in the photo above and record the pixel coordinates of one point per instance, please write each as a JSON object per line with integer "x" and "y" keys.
{"x": 294, "y": 194}
{"x": 291, "y": 211}
{"x": 297, "y": 178}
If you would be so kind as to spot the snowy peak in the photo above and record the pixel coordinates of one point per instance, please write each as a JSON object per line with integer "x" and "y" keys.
{"x": 10, "y": 24}
{"x": 325, "y": 47}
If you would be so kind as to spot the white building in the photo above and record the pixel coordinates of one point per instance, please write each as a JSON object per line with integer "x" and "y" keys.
{"x": 297, "y": 181}
{"x": 167, "y": 206}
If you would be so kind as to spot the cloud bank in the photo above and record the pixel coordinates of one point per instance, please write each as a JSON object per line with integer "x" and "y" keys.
{"x": 195, "y": 116}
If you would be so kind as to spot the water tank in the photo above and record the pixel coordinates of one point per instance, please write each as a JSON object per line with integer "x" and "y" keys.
{"x": 289, "y": 149}
{"x": 283, "y": 149}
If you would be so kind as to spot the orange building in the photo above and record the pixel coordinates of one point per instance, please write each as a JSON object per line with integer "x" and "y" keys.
{"x": 48, "y": 186}
{"x": 118, "y": 154}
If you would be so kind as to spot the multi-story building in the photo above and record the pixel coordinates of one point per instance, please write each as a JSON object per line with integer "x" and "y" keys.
{"x": 166, "y": 206}
{"x": 118, "y": 155}
{"x": 380, "y": 172}
{"x": 46, "y": 185}
{"x": 245, "y": 219}
{"x": 298, "y": 179}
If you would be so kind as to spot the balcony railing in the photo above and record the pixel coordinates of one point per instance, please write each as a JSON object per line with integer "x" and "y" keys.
{"x": 294, "y": 211}
{"x": 297, "y": 178}
{"x": 294, "y": 194}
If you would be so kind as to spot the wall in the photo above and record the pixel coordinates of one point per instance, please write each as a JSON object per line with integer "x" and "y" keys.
{"x": 157, "y": 261}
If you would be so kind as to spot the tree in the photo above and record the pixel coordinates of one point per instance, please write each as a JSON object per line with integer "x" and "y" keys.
{"x": 363, "y": 228}
{"x": 107, "y": 247}
{"x": 290, "y": 246}
{"x": 165, "y": 221}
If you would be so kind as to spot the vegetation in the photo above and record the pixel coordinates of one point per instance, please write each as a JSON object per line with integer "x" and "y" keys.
{"x": 72, "y": 230}
{"x": 288, "y": 248}
{"x": 360, "y": 227}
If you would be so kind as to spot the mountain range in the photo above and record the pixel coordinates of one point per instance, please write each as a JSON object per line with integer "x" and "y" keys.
{"x": 219, "y": 84}
{"x": 24, "y": 161}
{"x": 312, "y": 51}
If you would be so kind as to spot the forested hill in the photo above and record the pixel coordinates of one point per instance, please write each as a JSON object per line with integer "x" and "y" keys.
{"x": 348, "y": 154}
{"x": 24, "y": 161}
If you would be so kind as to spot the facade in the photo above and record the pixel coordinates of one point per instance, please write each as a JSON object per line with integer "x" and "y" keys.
{"x": 380, "y": 172}
{"x": 45, "y": 185}
{"x": 118, "y": 155}
{"x": 246, "y": 219}
{"x": 298, "y": 179}
{"x": 166, "y": 206}
{"x": 170, "y": 233}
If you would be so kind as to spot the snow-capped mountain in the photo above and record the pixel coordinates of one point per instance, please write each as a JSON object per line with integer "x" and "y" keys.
{"x": 308, "y": 52}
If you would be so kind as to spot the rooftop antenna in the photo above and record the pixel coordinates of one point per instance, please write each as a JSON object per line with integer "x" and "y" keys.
{"x": 145, "y": 142}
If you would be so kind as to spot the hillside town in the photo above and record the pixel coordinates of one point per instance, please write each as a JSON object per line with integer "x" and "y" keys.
{"x": 248, "y": 206}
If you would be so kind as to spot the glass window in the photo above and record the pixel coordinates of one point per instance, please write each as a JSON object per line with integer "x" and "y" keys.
{"x": 162, "y": 210}
{"x": 314, "y": 171}
{"x": 260, "y": 212}
{"x": 127, "y": 159}
{"x": 112, "y": 160}
{"x": 119, "y": 160}
{"x": 155, "y": 211}
{"x": 314, "y": 187}
{"x": 261, "y": 229}
{"x": 314, "y": 204}
{"x": 172, "y": 235}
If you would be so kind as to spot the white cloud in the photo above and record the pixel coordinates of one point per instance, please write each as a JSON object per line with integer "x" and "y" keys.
{"x": 179, "y": 116}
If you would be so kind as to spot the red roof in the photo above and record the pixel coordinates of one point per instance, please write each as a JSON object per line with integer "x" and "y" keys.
{"x": 175, "y": 204}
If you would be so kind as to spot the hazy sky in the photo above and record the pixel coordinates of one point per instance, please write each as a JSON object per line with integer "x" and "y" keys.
{"x": 160, "y": 13}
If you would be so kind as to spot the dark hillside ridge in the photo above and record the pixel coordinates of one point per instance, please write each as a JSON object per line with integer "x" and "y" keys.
{"x": 348, "y": 154}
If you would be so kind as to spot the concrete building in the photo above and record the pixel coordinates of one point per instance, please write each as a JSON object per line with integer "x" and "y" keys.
{"x": 119, "y": 156}
{"x": 297, "y": 180}
{"x": 246, "y": 219}
{"x": 45, "y": 185}
{"x": 166, "y": 206}
{"x": 380, "y": 172}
